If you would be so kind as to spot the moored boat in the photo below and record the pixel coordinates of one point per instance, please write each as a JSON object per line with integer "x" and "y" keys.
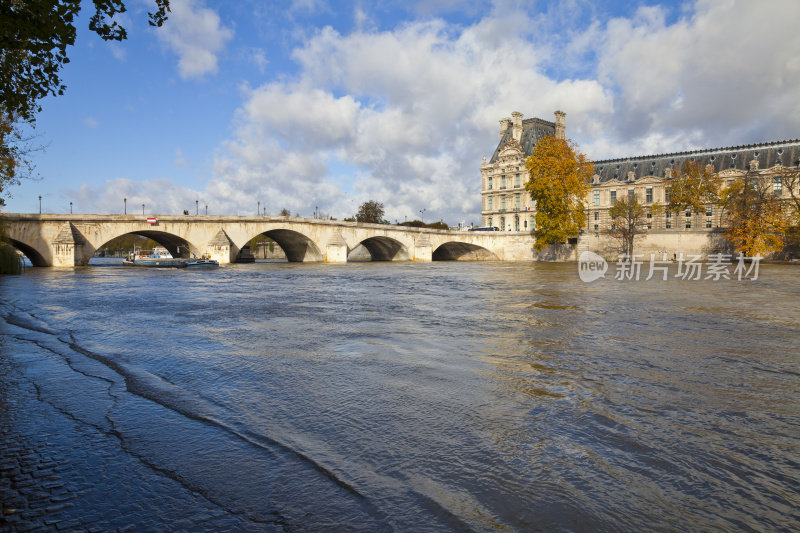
{"x": 203, "y": 262}
{"x": 153, "y": 260}
{"x": 158, "y": 259}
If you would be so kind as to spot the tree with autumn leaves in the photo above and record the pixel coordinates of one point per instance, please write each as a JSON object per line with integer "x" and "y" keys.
{"x": 559, "y": 182}
{"x": 694, "y": 186}
{"x": 755, "y": 220}
{"x": 630, "y": 219}
{"x": 754, "y": 217}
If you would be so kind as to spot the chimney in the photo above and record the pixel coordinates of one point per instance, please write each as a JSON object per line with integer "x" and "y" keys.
{"x": 516, "y": 131}
{"x": 561, "y": 125}
{"x": 504, "y": 124}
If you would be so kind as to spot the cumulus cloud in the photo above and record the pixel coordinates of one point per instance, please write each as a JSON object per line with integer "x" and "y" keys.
{"x": 403, "y": 115}
{"x": 196, "y": 34}
{"x": 408, "y": 112}
{"x": 118, "y": 194}
{"x": 722, "y": 75}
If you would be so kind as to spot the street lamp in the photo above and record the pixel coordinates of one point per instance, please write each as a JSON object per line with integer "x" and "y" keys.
{"x": 422, "y": 215}
{"x": 126, "y": 206}
{"x": 40, "y": 204}
{"x": 206, "y": 209}
{"x": 70, "y": 208}
{"x": 258, "y": 211}
{"x": 197, "y": 207}
{"x": 142, "y": 209}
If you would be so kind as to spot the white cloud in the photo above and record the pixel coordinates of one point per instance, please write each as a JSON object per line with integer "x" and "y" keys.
{"x": 728, "y": 72}
{"x": 90, "y": 122}
{"x": 419, "y": 108}
{"x": 119, "y": 194}
{"x": 180, "y": 160}
{"x": 404, "y": 115}
{"x": 196, "y": 34}
{"x": 259, "y": 59}
{"x": 117, "y": 51}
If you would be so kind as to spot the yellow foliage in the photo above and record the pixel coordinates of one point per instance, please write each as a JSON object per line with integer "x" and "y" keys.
{"x": 756, "y": 222}
{"x": 694, "y": 186}
{"x": 558, "y": 185}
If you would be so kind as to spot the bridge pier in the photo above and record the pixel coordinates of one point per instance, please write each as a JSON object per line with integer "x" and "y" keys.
{"x": 423, "y": 250}
{"x": 336, "y": 250}
{"x": 68, "y": 248}
{"x": 221, "y": 248}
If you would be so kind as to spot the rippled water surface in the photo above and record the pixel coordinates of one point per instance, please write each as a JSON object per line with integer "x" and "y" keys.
{"x": 380, "y": 396}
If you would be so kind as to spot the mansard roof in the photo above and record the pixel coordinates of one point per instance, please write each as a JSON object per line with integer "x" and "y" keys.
{"x": 786, "y": 153}
{"x": 533, "y": 129}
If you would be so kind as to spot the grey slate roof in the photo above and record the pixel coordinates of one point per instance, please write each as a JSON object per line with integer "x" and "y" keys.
{"x": 786, "y": 153}
{"x": 533, "y": 129}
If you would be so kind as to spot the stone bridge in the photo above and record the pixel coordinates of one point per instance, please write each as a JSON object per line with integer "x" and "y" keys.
{"x": 71, "y": 240}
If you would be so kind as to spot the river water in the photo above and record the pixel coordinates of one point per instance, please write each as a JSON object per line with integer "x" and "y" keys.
{"x": 430, "y": 397}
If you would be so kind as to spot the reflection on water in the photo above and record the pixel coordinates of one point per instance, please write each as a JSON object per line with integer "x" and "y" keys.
{"x": 435, "y": 396}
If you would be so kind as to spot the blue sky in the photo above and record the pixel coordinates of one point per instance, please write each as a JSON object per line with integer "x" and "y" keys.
{"x": 313, "y": 104}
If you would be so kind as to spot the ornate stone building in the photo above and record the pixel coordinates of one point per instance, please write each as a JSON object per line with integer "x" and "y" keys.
{"x": 506, "y": 203}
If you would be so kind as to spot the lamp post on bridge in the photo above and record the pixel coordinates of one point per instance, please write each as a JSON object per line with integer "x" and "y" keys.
{"x": 125, "y": 208}
{"x": 196, "y": 207}
{"x": 206, "y": 209}
{"x": 40, "y": 204}
{"x": 142, "y": 209}
{"x": 70, "y": 208}
{"x": 422, "y": 215}
{"x": 258, "y": 211}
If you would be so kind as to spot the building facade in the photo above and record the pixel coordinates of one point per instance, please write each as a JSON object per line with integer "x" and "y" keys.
{"x": 506, "y": 203}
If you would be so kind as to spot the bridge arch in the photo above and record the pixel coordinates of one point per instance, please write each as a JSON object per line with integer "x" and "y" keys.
{"x": 462, "y": 251}
{"x": 175, "y": 245}
{"x": 297, "y": 247}
{"x": 383, "y": 248}
{"x": 33, "y": 255}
